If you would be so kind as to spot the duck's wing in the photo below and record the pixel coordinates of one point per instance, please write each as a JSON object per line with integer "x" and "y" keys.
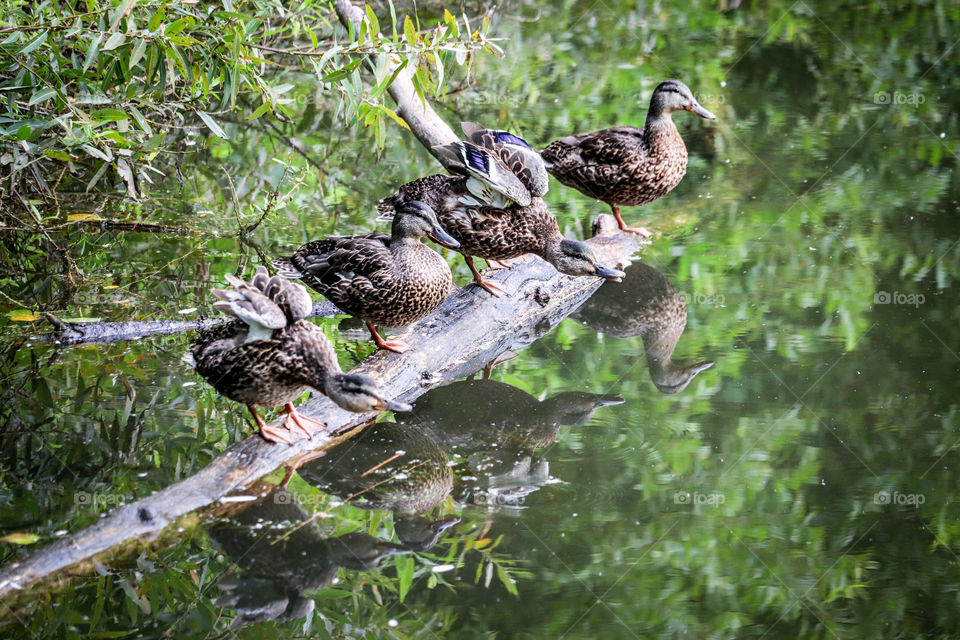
{"x": 515, "y": 153}
{"x": 345, "y": 268}
{"x": 613, "y": 146}
{"x": 488, "y": 175}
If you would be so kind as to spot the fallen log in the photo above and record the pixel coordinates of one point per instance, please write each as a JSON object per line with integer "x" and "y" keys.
{"x": 71, "y": 333}
{"x": 466, "y": 332}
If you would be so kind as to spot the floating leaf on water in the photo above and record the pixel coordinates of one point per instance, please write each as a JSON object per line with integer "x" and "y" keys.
{"x": 20, "y": 537}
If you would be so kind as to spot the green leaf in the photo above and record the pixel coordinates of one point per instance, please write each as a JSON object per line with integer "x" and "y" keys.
{"x": 137, "y": 54}
{"x": 114, "y": 41}
{"x": 92, "y": 52}
{"x": 212, "y": 125}
{"x": 42, "y": 95}
{"x": 410, "y": 31}
{"x": 58, "y": 155}
{"x": 177, "y": 26}
{"x": 405, "y": 569}
{"x": 109, "y": 115}
{"x": 373, "y": 23}
{"x": 24, "y": 132}
{"x": 378, "y": 91}
{"x": 122, "y": 10}
{"x": 141, "y": 121}
{"x": 262, "y": 109}
{"x": 451, "y": 23}
{"x": 157, "y": 18}
{"x": 34, "y": 44}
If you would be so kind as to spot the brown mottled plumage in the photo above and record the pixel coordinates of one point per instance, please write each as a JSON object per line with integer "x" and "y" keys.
{"x": 645, "y": 305}
{"x": 498, "y": 234}
{"x": 388, "y": 279}
{"x": 253, "y": 361}
{"x": 626, "y": 165}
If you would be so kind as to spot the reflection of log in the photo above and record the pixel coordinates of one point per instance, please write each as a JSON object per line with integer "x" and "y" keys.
{"x": 468, "y": 330}
{"x": 68, "y": 333}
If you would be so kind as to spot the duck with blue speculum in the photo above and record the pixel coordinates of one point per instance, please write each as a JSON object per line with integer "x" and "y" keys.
{"x": 390, "y": 279}
{"x": 627, "y": 166}
{"x": 493, "y": 205}
{"x": 270, "y": 355}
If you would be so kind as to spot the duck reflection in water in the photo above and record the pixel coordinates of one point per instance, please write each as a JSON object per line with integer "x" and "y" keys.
{"x": 491, "y": 430}
{"x": 390, "y": 467}
{"x": 275, "y": 574}
{"x": 473, "y": 439}
{"x": 645, "y": 304}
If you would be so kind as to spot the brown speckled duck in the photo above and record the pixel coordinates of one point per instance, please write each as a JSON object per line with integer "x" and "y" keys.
{"x": 391, "y": 279}
{"x": 270, "y": 355}
{"x": 625, "y": 165}
{"x": 645, "y": 305}
{"x": 493, "y": 232}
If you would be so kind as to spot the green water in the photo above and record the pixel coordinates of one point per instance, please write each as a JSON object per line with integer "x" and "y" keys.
{"x": 801, "y": 487}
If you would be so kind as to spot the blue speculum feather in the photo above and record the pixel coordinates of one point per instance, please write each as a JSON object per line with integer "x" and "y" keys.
{"x": 476, "y": 159}
{"x": 508, "y": 138}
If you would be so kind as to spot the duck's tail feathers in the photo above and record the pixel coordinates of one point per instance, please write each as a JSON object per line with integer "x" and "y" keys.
{"x": 486, "y": 167}
{"x": 264, "y": 303}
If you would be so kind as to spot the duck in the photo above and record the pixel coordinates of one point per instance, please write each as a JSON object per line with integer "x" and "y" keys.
{"x": 649, "y": 306}
{"x": 627, "y": 166}
{"x": 391, "y": 279}
{"x": 269, "y": 355}
{"x": 491, "y": 231}
{"x": 513, "y": 173}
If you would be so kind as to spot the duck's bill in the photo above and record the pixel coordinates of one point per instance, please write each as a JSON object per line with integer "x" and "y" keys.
{"x": 442, "y": 237}
{"x": 701, "y": 366}
{"x": 698, "y": 109}
{"x": 612, "y": 275}
{"x": 393, "y": 405}
{"x": 606, "y": 400}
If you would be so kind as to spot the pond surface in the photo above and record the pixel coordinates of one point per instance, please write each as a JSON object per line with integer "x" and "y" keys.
{"x": 803, "y": 486}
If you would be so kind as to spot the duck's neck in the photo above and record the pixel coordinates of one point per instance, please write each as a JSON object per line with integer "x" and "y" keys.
{"x": 399, "y": 242}
{"x": 659, "y": 128}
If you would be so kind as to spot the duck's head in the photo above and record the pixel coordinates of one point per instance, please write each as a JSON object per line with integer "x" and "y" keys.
{"x": 671, "y": 378}
{"x": 360, "y": 394}
{"x": 673, "y": 95}
{"x": 576, "y": 258}
{"x": 416, "y": 219}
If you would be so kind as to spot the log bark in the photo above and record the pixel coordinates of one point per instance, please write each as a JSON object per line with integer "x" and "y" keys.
{"x": 464, "y": 334}
{"x": 71, "y": 333}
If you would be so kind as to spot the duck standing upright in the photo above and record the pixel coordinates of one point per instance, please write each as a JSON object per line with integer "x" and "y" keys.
{"x": 484, "y": 210}
{"x": 627, "y": 166}
{"x": 270, "y": 355}
{"x": 391, "y": 279}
